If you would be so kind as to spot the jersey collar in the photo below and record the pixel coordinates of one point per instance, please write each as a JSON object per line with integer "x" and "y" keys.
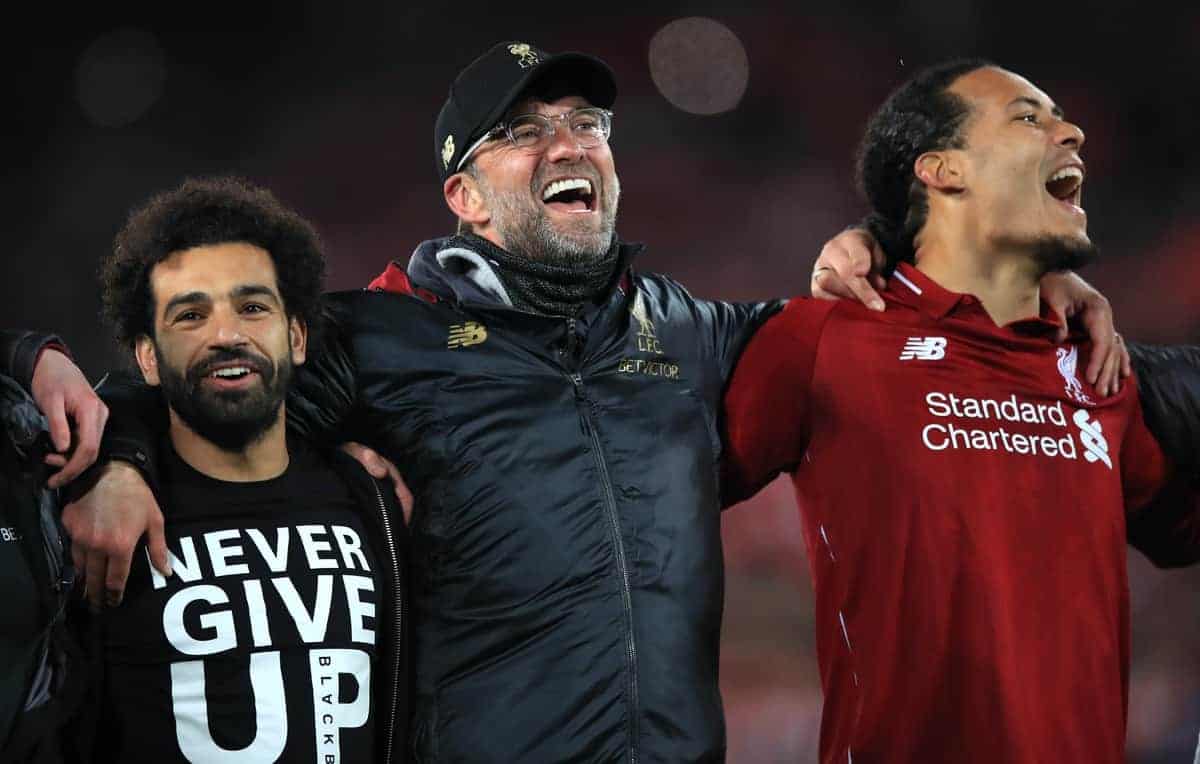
{"x": 909, "y": 286}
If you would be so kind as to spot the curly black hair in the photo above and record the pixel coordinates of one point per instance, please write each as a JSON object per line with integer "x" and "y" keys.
{"x": 919, "y": 116}
{"x": 201, "y": 212}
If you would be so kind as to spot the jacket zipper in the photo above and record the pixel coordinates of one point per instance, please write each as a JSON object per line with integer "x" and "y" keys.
{"x": 610, "y": 501}
{"x": 398, "y": 623}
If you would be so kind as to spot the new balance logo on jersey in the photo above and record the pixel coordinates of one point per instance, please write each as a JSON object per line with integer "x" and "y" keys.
{"x": 924, "y": 349}
{"x": 466, "y": 335}
{"x": 1091, "y": 435}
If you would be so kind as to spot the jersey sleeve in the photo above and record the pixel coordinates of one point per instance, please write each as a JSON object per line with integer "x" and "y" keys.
{"x": 767, "y": 402}
{"x": 1162, "y": 503}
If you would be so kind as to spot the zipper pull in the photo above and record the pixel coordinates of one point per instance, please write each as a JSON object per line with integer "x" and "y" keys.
{"x": 572, "y": 339}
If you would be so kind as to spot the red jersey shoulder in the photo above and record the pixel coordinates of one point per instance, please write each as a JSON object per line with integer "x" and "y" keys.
{"x": 396, "y": 281}
{"x": 803, "y": 318}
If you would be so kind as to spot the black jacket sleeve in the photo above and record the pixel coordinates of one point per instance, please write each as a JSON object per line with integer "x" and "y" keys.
{"x": 19, "y": 352}
{"x": 324, "y": 392}
{"x": 1168, "y": 530}
{"x": 137, "y": 422}
{"x": 730, "y": 326}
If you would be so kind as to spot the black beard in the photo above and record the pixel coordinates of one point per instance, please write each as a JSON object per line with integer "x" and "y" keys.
{"x": 1060, "y": 253}
{"x": 230, "y": 420}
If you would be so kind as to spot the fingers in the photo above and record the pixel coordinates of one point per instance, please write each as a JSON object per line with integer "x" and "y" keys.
{"x": 156, "y": 545}
{"x": 1108, "y": 362}
{"x": 93, "y": 580}
{"x": 375, "y": 465}
{"x": 105, "y": 524}
{"x": 382, "y": 469}
{"x": 847, "y": 268}
{"x": 1114, "y": 367}
{"x": 403, "y": 495}
{"x": 370, "y": 461}
{"x": 79, "y": 559}
{"x": 1126, "y": 363}
{"x": 1062, "y": 332}
{"x": 117, "y": 573}
{"x": 828, "y": 285}
{"x": 860, "y": 289}
{"x": 90, "y": 425}
{"x": 878, "y": 262}
{"x": 60, "y": 429}
{"x": 1102, "y": 334}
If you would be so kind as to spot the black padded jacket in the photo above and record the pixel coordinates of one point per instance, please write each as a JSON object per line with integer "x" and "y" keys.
{"x": 567, "y": 574}
{"x": 566, "y": 584}
{"x": 567, "y": 579}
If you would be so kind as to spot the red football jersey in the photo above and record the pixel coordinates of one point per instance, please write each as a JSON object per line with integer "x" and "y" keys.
{"x": 964, "y": 493}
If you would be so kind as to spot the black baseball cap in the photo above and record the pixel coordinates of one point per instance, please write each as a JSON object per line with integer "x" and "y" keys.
{"x": 507, "y": 72}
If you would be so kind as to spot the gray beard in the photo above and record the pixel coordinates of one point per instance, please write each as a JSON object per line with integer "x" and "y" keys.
{"x": 525, "y": 228}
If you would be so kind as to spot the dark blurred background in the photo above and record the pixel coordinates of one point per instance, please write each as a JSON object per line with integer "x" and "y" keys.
{"x": 734, "y": 141}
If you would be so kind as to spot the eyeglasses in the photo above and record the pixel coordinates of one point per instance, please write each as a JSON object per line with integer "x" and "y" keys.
{"x": 590, "y": 127}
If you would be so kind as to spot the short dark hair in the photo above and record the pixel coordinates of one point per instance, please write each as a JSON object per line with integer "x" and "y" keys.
{"x": 202, "y": 212}
{"x": 919, "y": 116}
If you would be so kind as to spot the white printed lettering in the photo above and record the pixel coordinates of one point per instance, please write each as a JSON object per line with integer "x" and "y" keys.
{"x": 313, "y": 547}
{"x": 359, "y": 610}
{"x": 332, "y": 712}
{"x": 350, "y": 546}
{"x": 191, "y": 713}
{"x": 312, "y": 625}
{"x": 219, "y": 622}
{"x": 260, "y": 628}
{"x": 277, "y": 557}
{"x": 219, "y": 553}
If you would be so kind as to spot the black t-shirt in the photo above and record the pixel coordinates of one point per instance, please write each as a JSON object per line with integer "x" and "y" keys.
{"x": 262, "y": 645}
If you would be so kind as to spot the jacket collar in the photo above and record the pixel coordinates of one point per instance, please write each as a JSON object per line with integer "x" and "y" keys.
{"x": 454, "y": 273}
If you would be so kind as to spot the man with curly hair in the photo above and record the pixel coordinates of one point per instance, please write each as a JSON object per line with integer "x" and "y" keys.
{"x": 555, "y": 410}
{"x": 278, "y": 636}
{"x": 971, "y": 594}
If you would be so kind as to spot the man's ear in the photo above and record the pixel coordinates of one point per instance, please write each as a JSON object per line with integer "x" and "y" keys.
{"x": 147, "y": 361}
{"x": 940, "y": 171}
{"x": 465, "y": 201}
{"x": 298, "y": 340}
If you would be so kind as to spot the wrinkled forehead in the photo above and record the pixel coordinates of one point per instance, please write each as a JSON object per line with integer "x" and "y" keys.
{"x": 991, "y": 89}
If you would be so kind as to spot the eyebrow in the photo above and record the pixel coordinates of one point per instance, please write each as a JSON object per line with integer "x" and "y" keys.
{"x": 1035, "y": 103}
{"x": 245, "y": 290}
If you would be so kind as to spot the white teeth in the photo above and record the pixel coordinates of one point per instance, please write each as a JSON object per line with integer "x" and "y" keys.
{"x": 1067, "y": 172}
{"x": 231, "y": 371}
{"x": 570, "y": 184}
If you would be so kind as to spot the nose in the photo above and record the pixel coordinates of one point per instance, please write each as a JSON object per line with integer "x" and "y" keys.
{"x": 1069, "y": 135}
{"x": 228, "y": 329}
{"x": 563, "y": 145}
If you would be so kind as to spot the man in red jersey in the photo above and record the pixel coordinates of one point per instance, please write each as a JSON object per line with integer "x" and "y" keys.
{"x": 971, "y": 593}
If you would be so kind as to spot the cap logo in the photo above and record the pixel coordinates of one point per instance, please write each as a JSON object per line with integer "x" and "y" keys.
{"x": 526, "y": 55}
{"x": 447, "y": 151}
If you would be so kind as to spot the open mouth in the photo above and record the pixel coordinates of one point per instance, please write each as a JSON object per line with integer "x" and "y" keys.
{"x": 570, "y": 195}
{"x": 231, "y": 374}
{"x": 1066, "y": 185}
